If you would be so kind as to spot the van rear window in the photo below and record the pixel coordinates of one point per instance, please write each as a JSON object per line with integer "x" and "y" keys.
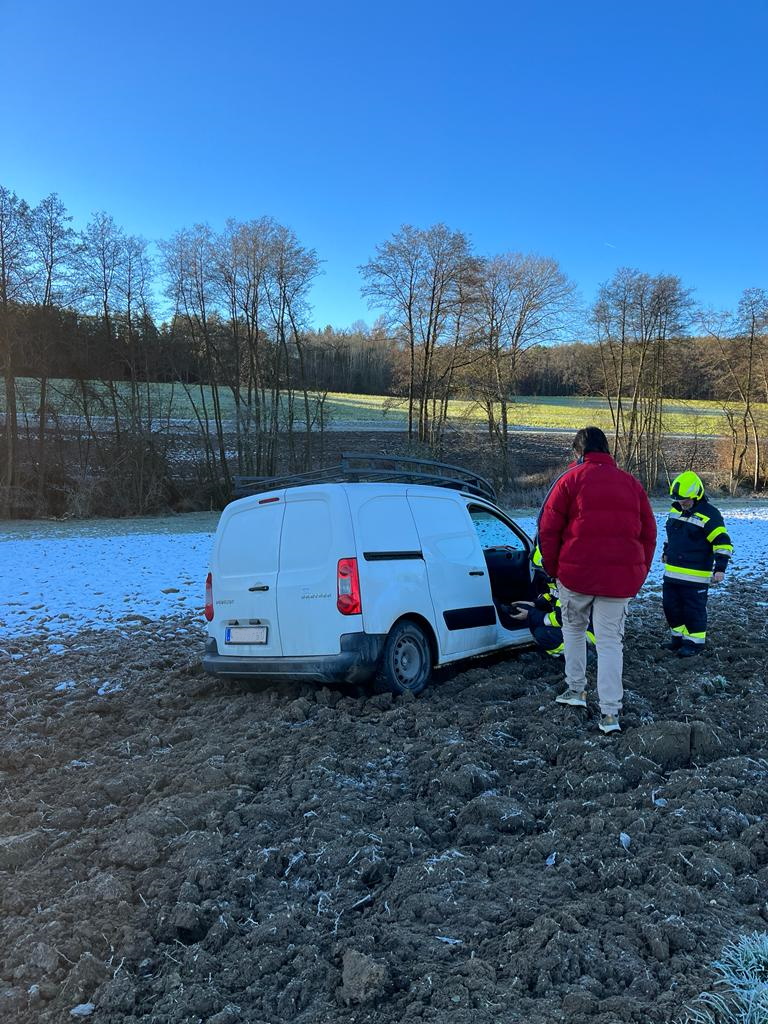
{"x": 250, "y": 541}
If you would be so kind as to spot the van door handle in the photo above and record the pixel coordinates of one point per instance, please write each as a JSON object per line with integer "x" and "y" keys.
{"x": 259, "y": 586}
{"x": 476, "y": 572}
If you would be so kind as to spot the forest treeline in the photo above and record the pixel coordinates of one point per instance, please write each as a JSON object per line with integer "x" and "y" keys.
{"x": 224, "y": 317}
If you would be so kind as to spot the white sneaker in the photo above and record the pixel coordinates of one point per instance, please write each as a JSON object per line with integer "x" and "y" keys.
{"x": 572, "y": 698}
{"x": 609, "y": 723}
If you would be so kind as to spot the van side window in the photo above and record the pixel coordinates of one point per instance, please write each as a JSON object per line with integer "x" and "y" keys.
{"x": 492, "y": 531}
{"x": 307, "y": 535}
{"x": 507, "y": 558}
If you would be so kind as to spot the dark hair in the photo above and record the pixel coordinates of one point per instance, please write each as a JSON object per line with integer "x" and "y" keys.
{"x": 590, "y": 439}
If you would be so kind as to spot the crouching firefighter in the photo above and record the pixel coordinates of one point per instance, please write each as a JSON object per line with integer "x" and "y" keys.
{"x": 544, "y": 617}
{"x": 695, "y": 554}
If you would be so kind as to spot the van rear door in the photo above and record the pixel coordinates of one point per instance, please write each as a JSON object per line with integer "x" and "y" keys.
{"x": 317, "y": 532}
{"x": 244, "y": 570}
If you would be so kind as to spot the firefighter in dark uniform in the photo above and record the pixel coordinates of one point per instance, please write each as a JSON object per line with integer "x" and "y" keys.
{"x": 695, "y": 554}
{"x": 544, "y": 617}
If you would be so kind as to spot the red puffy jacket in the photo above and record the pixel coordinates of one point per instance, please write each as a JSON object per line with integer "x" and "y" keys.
{"x": 597, "y": 532}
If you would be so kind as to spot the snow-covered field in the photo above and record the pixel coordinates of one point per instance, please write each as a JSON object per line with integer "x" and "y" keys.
{"x": 60, "y": 577}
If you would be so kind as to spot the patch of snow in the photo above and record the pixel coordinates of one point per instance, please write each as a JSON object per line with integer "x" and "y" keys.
{"x": 63, "y": 577}
{"x": 82, "y": 1010}
{"x": 108, "y": 687}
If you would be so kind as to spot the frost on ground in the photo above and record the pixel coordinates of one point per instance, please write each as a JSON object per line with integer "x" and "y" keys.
{"x": 177, "y": 849}
{"x": 741, "y": 973}
{"x": 59, "y": 577}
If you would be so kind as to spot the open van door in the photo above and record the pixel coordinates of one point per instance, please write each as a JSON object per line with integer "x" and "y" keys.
{"x": 507, "y": 552}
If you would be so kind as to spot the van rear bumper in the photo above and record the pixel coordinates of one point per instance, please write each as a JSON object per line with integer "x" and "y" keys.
{"x": 356, "y": 663}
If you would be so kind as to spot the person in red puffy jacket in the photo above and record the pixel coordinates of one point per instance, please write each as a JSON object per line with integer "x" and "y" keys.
{"x": 597, "y": 536}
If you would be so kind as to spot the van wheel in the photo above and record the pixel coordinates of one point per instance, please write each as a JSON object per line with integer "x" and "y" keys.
{"x": 406, "y": 664}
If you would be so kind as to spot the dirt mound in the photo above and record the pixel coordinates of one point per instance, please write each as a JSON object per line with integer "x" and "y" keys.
{"x": 175, "y": 849}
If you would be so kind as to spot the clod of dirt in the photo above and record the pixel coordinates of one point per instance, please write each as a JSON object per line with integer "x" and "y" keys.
{"x": 364, "y": 980}
{"x": 498, "y": 813}
{"x": 83, "y": 979}
{"x": 666, "y": 743}
{"x": 709, "y": 743}
{"x": 138, "y": 850}
{"x": 18, "y": 850}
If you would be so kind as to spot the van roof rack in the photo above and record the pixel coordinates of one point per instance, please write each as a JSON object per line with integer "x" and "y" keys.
{"x": 372, "y": 468}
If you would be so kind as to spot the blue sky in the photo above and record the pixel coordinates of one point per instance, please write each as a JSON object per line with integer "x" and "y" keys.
{"x": 603, "y": 134}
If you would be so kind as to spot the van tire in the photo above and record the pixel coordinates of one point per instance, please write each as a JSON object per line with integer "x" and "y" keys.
{"x": 406, "y": 663}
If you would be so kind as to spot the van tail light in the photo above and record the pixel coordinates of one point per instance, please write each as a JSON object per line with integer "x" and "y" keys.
{"x": 209, "y": 597}
{"x": 348, "y": 587}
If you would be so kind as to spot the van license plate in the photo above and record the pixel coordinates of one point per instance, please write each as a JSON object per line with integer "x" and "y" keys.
{"x": 245, "y": 635}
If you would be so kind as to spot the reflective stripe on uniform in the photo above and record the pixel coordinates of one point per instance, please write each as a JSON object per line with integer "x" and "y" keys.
{"x": 697, "y": 638}
{"x": 679, "y": 630}
{"x": 678, "y": 572}
{"x": 695, "y": 520}
{"x": 555, "y": 652}
{"x": 723, "y": 549}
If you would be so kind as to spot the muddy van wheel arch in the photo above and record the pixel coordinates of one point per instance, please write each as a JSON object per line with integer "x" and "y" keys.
{"x": 406, "y": 663}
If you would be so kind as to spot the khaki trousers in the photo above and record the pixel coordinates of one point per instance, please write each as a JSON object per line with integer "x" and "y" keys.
{"x": 608, "y": 617}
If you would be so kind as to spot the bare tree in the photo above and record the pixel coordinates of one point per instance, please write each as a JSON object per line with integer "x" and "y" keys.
{"x": 523, "y": 300}
{"x": 415, "y": 278}
{"x": 263, "y": 276}
{"x": 100, "y": 269}
{"x": 144, "y": 455}
{"x": 741, "y": 344}
{"x": 14, "y": 256}
{"x": 189, "y": 261}
{"x": 636, "y": 316}
{"x": 292, "y": 269}
{"x": 243, "y": 254}
{"x": 241, "y": 297}
{"x": 53, "y": 245}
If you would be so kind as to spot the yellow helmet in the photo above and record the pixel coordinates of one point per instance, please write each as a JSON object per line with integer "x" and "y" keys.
{"x": 687, "y": 485}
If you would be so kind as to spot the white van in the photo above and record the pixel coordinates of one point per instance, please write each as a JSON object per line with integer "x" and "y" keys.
{"x": 346, "y": 580}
